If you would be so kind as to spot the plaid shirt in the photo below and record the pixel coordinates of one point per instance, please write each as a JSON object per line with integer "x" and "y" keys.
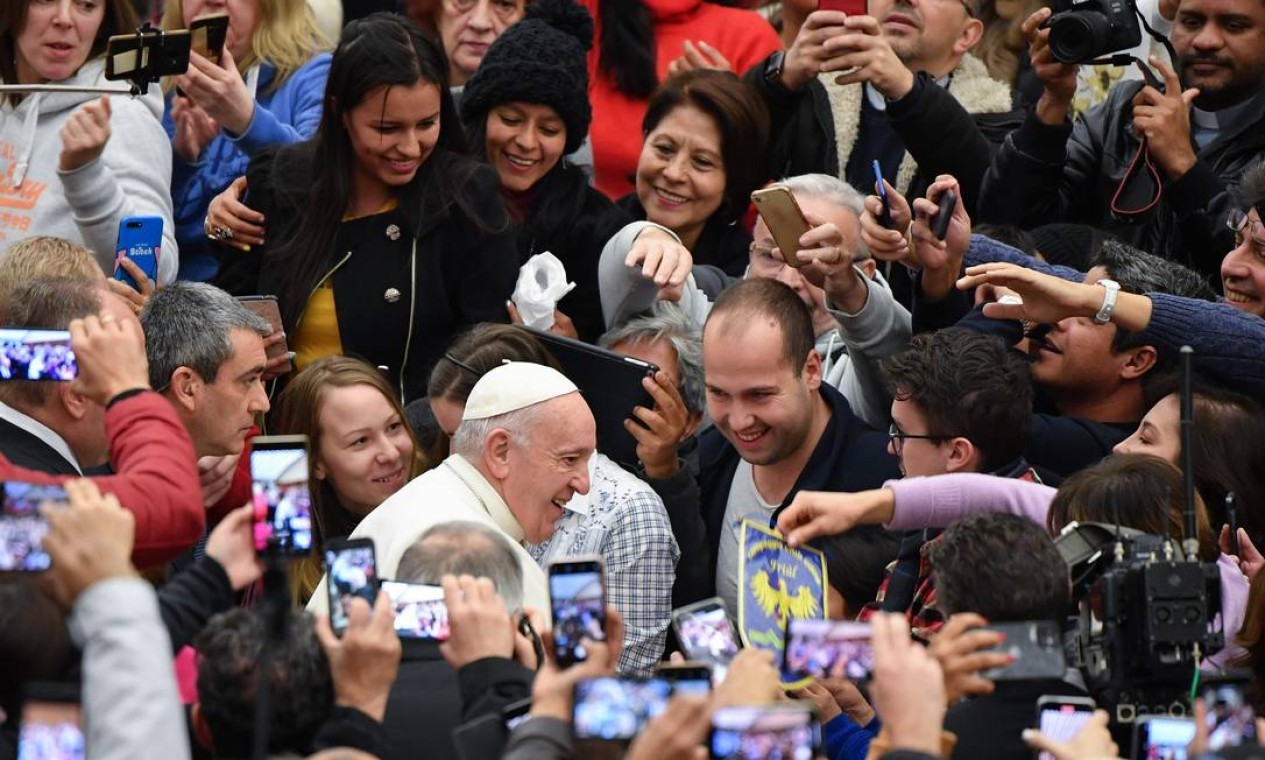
{"x": 624, "y": 522}
{"x": 925, "y": 617}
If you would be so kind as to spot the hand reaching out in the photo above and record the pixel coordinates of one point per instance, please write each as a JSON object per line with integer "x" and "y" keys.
{"x": 364, "y": 662}
{"x": 84, "y": 135}
{"x": 699, "y": 55}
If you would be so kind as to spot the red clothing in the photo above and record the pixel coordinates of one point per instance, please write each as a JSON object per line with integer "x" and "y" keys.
{"x": 156, "y": 478}
{"x": 742, "y": 36}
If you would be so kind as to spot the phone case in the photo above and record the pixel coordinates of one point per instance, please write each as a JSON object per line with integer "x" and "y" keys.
{"x": 140, "y": 239}
{"x": 208, "y": 35}
{"x": 784, "y": 219}
{"x": 850, "y": 7}
{"x": 266, "y": 307}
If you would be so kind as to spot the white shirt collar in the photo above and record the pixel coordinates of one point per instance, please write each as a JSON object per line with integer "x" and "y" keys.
{"x": 40, "y": 431}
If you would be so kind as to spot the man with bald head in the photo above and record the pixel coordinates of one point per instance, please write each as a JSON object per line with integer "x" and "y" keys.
{"x": 520, "y": 453}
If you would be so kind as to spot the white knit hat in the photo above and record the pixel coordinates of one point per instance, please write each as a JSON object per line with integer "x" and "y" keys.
{"x": 513, "y": 386}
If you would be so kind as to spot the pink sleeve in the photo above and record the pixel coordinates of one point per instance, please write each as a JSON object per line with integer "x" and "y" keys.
{"x": 937, "y": 501}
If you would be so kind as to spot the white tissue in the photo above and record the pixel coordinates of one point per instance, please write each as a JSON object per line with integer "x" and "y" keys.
{"x": 542, "y": 282}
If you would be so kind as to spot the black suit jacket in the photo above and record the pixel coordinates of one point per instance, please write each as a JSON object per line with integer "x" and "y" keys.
{"x": 25, "y": 449}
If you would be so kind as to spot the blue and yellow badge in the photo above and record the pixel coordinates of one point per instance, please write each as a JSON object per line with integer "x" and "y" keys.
{"x": 775, "y": 583}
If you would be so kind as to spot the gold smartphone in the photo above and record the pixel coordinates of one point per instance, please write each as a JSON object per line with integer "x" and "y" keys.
{"x": 782, "y": 215}
{"x": 209, "y": 33}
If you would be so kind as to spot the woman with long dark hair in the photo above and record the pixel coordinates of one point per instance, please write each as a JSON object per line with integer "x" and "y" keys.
{"x": 383, "y": 238}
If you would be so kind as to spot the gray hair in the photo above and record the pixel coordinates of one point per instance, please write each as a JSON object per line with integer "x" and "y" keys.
{"x": 190, "y": 324}
{"x": 462, "y": 547}
{"x": 470, "y": 435}
{"x": 669, "y": 322}
{"x": 831, "y": 190}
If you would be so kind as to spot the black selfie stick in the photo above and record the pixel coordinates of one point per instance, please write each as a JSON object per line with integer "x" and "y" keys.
{"x": 1191, "y": 545}
{"x": 274, "y": 608}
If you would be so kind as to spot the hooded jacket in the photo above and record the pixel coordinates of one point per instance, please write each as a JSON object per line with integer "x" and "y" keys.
{"x": 85, "y": 206}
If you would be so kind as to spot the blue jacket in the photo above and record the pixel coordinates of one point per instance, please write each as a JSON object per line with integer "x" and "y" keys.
{"x": 289, "y": 114}
{"x": 845, "y": 739}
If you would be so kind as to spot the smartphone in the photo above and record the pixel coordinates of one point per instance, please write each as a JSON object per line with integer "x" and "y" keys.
{"x": 850, "y": 7}
{"x": 52, "y": 723}
{"x": 1061, "y": 718}
{"x": 1231, "y": 719}
{"x": 279, "y": 492}
{"x": 1037, "y": 647}
{"x": 790, "y": 732}
{"x": 944, "y": 214}
{"x": 515, "y": 713}
{"x": 577, "y": 594}
{"x": 266, "y": 307}
{"x": 785, "y": 220}
{"x": 36, "y": 355}
{"x": 686, "y": 677}
{"x": 1232, "y": 520}
{"x": 351, "y": 570}
{"x": 1159, "y": 737}
{"x": 208, "y": 34}
{"x": 705, "y": 634}
{"x": 616, "y": 709}
{"x": 22, "y": 527}
{"x": 827, "y": 649}
{"x": 420, "y": 612}
{"x": 140, "y": 239}
{"x": 880, "y": 187}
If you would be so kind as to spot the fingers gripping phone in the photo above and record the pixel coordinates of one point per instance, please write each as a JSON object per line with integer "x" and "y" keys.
{"x": 1061, "y": 718}
{"x": 577, "y": 596}
{"x": 280, "y": 495}
{"x": 944, "y": 214}
{"x": 880, "y": 187}
{"x": 782, "y": 215}
{"x": 351, "y": 570}
{"x": 141, "y": 240}
{"x": 208, "y": 35}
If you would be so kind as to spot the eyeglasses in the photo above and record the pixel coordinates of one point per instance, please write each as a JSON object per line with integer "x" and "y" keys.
{"x": 1239, "y": 221}
{"x": 899, "y": 437}
{"x": 763, "y": 260}
{"x": 506, "y": 10}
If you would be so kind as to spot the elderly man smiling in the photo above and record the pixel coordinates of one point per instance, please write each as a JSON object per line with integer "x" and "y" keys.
{"x": 520, "y": 453}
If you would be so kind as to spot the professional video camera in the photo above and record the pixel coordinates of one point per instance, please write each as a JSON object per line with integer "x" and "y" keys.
{"x": 1082, "y": 30}
{"x": 1144, "y": 619}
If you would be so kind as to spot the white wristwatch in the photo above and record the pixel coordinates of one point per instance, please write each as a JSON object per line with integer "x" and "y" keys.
{"x": 1111, "y": 289}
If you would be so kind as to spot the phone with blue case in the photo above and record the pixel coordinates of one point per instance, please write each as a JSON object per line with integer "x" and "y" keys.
{"x": 140, "y": 239}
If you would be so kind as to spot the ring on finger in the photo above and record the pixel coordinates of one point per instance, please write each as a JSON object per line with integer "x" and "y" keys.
{"x": 226, "y": 233}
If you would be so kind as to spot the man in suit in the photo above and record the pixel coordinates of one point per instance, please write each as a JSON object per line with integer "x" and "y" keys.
{"x": 54, "y": 426}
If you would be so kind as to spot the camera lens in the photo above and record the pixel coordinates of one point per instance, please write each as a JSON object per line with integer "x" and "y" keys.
{"x": 1079, "y": 36}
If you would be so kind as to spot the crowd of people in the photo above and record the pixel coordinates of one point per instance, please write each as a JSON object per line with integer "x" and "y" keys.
{"x": 996, "y": 353}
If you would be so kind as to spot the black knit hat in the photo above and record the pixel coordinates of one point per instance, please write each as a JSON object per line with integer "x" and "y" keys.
{"x": 541, "y": 59}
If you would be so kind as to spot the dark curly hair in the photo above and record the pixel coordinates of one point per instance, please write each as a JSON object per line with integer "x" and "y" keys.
{"x": 300, "y": 685}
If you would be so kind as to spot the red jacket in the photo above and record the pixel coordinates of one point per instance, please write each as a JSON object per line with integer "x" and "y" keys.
{"x": 156, "y": 477}
{"x": 742, "y": 36}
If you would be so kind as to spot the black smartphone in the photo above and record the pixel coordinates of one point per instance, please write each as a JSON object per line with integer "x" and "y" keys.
{"x": 616, "y": 709}
{"x": 150, "y": 54}
{"x": 280, "y": 495}
{"x": 1232, "y": 520}
{"x": 351, "y": 570}
{"x": 51, "y": 727}
{"x": 208, "y": 35}
{"x": 756, "y": 733}
{"x": 420, "y": 611}
{"x": 686, "y": 677}
{"x": 1062, "y": 717}
{"x": 1162, "y": 737}
{"x": 22, "y": 527}
{"x": 885, "y": 216}
{"x": 36, "y": 355}
{"x": 577, "y": 596}
{"x": 1230, "y": 718}
{"x": 827, "y": 649}
{"x": 1036, "y": 645}
{"x": 705, "y": 634}
{"x": 944, "y": 214}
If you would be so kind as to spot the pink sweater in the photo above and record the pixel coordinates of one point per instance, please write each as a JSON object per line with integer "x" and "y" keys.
{"x": 938, "y": 501}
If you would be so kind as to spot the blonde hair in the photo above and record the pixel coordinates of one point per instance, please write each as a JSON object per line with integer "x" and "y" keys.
{"x": 286, "y": 36}
{"x": 43, "y": 257}
{"x": 1003, "y": 44}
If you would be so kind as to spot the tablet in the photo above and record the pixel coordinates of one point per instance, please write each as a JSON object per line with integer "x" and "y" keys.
{"x": 610, "y": 383}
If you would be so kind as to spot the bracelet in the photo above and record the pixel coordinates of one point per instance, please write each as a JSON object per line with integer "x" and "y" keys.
{"x": 1111, "y": 290}
{"x": 124, "y": 396}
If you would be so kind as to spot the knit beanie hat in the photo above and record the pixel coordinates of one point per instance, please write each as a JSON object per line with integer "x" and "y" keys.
{"x": 541, "y": 59}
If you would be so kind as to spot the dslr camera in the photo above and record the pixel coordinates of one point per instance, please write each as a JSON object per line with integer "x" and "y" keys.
{"x": 1082, "y": 30}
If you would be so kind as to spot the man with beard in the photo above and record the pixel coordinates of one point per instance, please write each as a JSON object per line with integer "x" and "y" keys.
{"x": 1201, "y": 130}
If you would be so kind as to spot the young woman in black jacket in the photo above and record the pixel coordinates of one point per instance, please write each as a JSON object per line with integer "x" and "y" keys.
{"x": 383, "y": 240}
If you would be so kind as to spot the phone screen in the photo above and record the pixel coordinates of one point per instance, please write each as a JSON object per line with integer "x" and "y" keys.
{"x": 1037, "y": 647}
{"x": 279, "y": 492}
{"x": 579, "y": 608}
{"x": 1231, "y": 719}
{"x": 51, "y": 731}
{"x": 352, "y": 571}
{"x": 616, "y": 709}
{"x": 1061, "y": 722}
{"x": 36, "y": 355}
{"x": 420, "y": 612}
{"x": 756, "y": 733}
{"x": 706, "y": 635}
{"x": 828, "y": 649}
{"x": 1162, "y": 738}
{"x": 22, "y": 527}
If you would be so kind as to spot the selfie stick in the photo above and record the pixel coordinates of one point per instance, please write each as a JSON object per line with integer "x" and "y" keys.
{"x": 274, "y": 608}
{"x": 22, "y": 89}
{"x": 1191, "y": 545}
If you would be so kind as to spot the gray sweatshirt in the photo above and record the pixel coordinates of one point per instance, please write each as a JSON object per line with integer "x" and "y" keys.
{"x": 131, "y": 178}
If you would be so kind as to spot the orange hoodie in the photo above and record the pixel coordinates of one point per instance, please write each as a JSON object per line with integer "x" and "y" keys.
{"x": 742, "y": 36}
